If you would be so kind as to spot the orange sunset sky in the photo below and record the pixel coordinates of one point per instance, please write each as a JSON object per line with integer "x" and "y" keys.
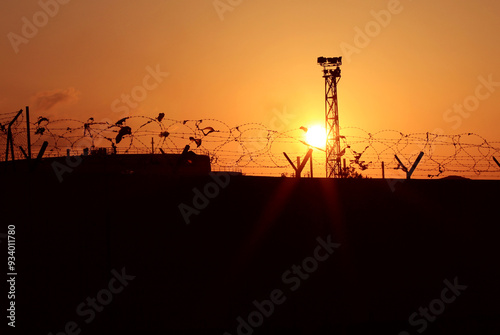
{"x": 406, "y": 64}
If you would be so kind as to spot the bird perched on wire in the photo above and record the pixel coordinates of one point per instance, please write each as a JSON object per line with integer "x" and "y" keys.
{"x": 160, "y": 117}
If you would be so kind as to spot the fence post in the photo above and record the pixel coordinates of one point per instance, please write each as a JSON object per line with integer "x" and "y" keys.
{"x": 28, "y": 134}
{"x": 413, "y": 167}
{"x": 496, "y": 161}
{"x": 10, "y": 140}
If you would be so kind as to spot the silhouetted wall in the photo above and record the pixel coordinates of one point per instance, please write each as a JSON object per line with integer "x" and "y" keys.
{"x": 371, "y": 253}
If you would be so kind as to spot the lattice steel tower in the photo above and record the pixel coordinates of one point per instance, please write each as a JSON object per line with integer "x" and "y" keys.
{"x": 331, "y": 73}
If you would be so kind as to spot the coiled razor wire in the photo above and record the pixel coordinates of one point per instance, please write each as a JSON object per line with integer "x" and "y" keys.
{"x": 253, "y": 147}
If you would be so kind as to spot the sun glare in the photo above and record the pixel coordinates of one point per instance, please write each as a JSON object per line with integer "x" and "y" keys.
{"x": 316, "y": 136}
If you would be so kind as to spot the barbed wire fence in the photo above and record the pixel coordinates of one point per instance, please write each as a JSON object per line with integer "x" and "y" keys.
{"x": 253, "y": 149}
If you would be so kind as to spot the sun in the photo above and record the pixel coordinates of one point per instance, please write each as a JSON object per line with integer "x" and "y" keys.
{"x": 316, "y": 136}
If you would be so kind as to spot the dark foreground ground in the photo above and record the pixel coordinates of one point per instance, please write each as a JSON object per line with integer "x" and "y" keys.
{"x": 112, "y": 254}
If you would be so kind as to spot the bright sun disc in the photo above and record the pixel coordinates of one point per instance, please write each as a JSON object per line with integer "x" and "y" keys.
{"x": 316, "y": 136}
